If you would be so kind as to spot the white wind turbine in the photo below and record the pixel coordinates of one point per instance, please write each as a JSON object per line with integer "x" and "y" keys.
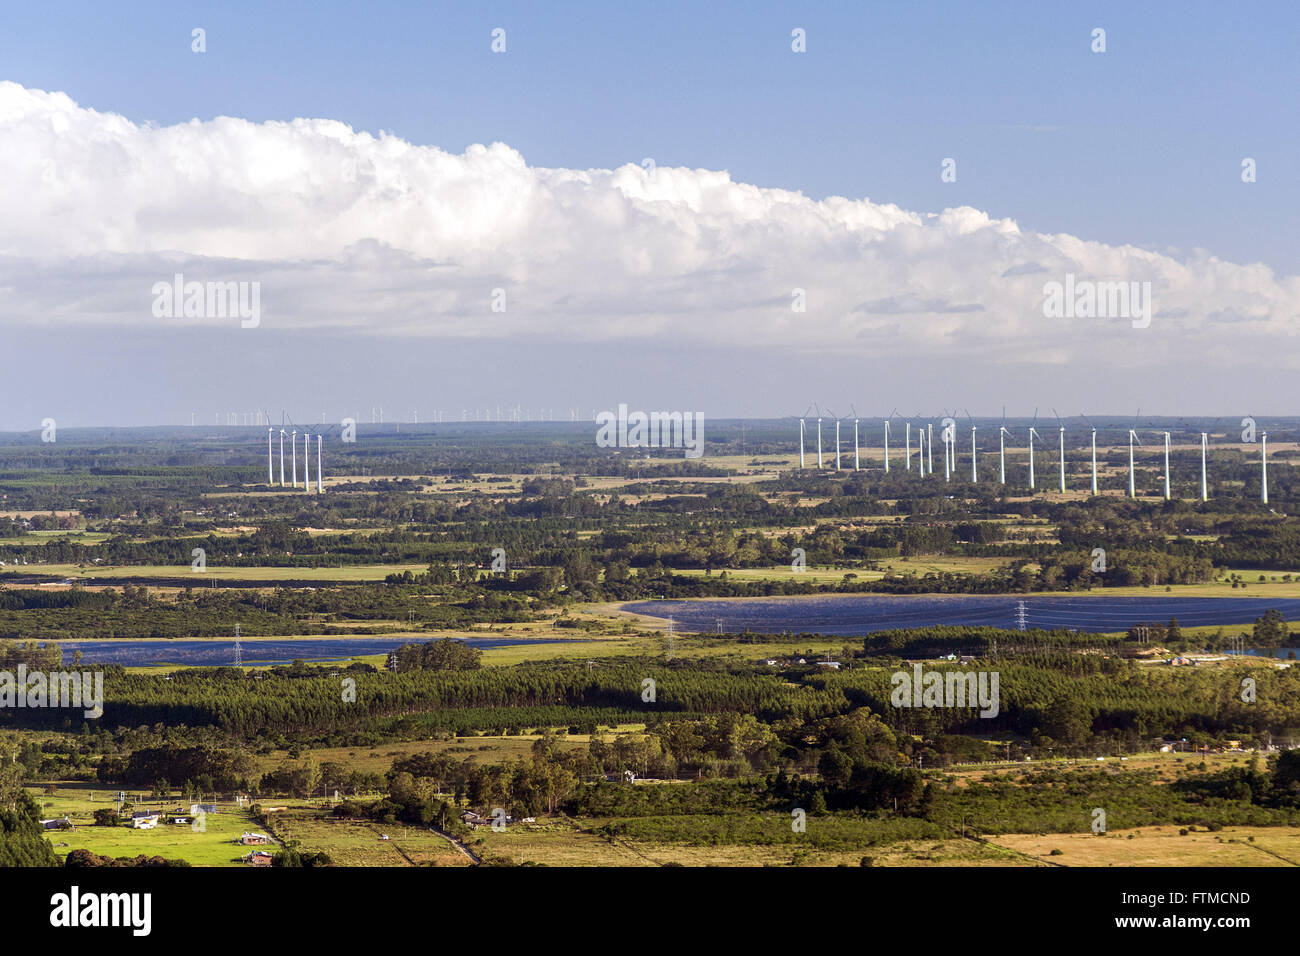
{"x": 819, "y": 440}
{"x": 320, "y": 483}
{"x": 801, "y": 431}
{"x": 929, "y": 447}
{"x": 974, "y": 457}
{"x": 886, "y": 446}
{"x": 1132, "y": 486}
{"x": 1263, "y": 467}
{"x": 920, "y": 451}
{"x": 947, "y": 453}
{"x": 1061, "y": 426}
{"x": 1003, "y": 432}
{"x": 856, "y": 447}
{"x": 281, "y": 457}
{"x": 1205, "y": 488}
{"x": 1032, "y": 432}
{"x": 270, "y": 474}
{"x": 1166, "y": 466}
{"x": 293, "y": 451}
{"x": 837, "y": 443}
{"x": 306, "y": 461}
{"x": 907, "y": 438}
{"x": 1094, "y": 461}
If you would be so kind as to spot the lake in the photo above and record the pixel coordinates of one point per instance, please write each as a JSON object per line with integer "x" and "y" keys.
{"x": 852, "y": 615}
{"x": 204, "y": 653}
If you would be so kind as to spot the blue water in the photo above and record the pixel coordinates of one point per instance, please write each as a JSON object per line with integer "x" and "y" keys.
{"x": 195, "y": 653}
{"x": 857, "y": 614}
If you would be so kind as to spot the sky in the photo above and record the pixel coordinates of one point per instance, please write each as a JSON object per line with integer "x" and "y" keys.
{"x": 657, "y": 204}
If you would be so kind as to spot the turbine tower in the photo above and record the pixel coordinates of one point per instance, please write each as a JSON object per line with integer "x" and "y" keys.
{"x": 947, "y": 455}
{"x": 929, "y": 445}
{"x": 1062, "y": 459}
{"x": 907, "y": 439}
{"x": 1132, "y": 487}
{"x": 1002, "y": 454}
{"x": 1166, "y": 466}
{"x": 1263, "y": 467}
{"x": 856, "y": 460}
{"x": 973, "y": 457}
{"x": 920, "y": 451}
{"x": 1032, "y": 433}
{"x": 306, "y": 461}
{"x": 293, "y": 452}
{"x": 1205, "y": 488}
{"x": 270, "y": 473}
{"x": 320, "y": 484}
{"x": 281, "y": 457}
{"x": 1094, "y": 461}
{"x": 801, "y": 444}
{"x": 886, "y": 446}
{"x": 837, "y": 444}
{"x": 819, "y": 444}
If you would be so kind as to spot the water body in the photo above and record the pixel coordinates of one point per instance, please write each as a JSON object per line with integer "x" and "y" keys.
{"x": 853, "y": 615}
{"x": 198, "y": 653}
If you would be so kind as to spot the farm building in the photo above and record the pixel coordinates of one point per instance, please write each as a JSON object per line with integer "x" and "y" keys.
{"x": 254, "y": 839}
{"x": 144, "y": 820}
{"x": 257, "y": 858}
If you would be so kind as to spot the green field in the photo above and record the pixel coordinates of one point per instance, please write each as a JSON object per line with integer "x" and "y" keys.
{"x": 215, "y": 846}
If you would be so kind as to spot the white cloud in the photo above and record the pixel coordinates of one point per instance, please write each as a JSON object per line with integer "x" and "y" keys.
{"x": 349, "y": 230}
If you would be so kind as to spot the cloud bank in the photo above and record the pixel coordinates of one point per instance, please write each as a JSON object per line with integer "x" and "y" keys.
{"x": 371, "y": 235}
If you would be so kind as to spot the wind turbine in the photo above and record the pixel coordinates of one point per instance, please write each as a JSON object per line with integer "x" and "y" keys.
{"x": 1166, "y": 466}
{"x": 891, "y": 415}
{"x": 837, "y": 443}
{"x": 1132, "y": 437}
{"x": 819, "y": 439}
{"x": 920, "y": 450}
{"x": 1003, "y": 432}
{"x": 907, "y": 433}
{"x": 1094, "y": 450}
{"x": 856, "y": 446}
{"x": 1263, "y": 467}
{"x": 270, "y": 475}
{"x": 1062, "y": 428}
{"x": 306, "y": 461}
{"x": 281, "y": 457}
{"x": 929, "y": 446}
{"x": 947, "y": 453}
{"x": 974, "y": 457}
{"x": 801, "y": 430}
{"x": 293, "y": 451}
{"x": 1205, "y": 488}
{"x": 1032, "y": 432}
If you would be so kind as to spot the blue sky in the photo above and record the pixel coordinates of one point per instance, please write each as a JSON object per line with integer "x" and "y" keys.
{"x": 668, "y": 292}
{"x": 1141, "y": 144}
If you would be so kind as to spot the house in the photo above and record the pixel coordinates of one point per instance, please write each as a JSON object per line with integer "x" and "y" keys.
{"x": 144, "y": 820}
{"x": 833, "y": 665}
{"x": 471, "y": 818}
{"x": 181, "y": 819}
{"x": 61, "y": 823}
{"x": 254, "y": 839}
{"x": 257, "y": 858}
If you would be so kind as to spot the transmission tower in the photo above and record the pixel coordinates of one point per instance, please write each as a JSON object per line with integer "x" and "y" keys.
{"x": 238, "y": 655}
{"x": 1022, "y": 616}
